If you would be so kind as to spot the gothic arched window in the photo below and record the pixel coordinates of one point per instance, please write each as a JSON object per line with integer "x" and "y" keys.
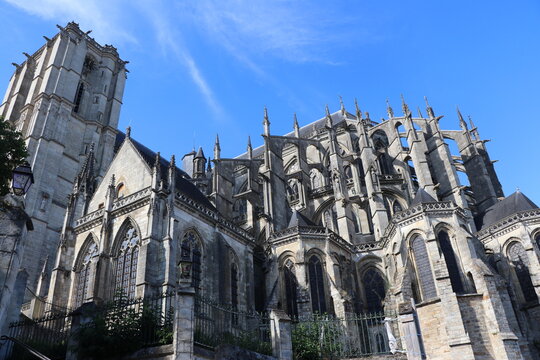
{"x": 126, "y": 261}
{"x": 240, "y": 210}
{"x": 315, "y": 177}
{"x": 78, "y": 97}
{"x": 396, "y": 207}
{"x": 316, "y": 285}
{"x": 83, "y": 271}
{"x": 291, "y": 297}
{"x": 520, "y": 264}
{"x": 451, "y": 262}
{"x": 537, "y": 239}
{"x": 422, "y": 269}
{"x": 292, "y": 191}
{"x": 191, "y": 249}
{"x": 348, "y": 174}
{"x": 374, "y": 289}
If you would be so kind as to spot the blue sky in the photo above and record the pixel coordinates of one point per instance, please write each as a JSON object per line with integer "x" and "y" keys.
{"x": 203, "y": 67}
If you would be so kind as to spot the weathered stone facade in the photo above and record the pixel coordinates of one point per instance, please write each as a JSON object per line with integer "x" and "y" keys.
{"x": 343, "y": 215}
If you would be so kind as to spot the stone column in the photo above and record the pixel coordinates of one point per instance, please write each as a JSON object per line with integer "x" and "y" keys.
{"x": 281, "y": 332}
{"x": 184, "y": 324}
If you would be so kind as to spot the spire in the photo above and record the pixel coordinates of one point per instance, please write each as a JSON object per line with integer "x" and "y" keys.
{"x": 266, "y": 122}
{"x": 358, "y": 111}
{"x": 342, "y": 107}
{"x": 462, "y": 122}
{"x": 296, "y": 127}
{"x": 172, "y": 162}
{"x": 249, "y": 148}
{"x": 389, "y": 109}
{"x": 200, "y": 154}
{"x": 368, "y": 119}
{"x": 329, "y": 122}
{"x": 405, "y": 107}
{"x": 429, "y": 109}
{"x": 217, "y": 148}
{"x": 112, "y": 182}
{"x": 420, "y": 113}
{"x": 128, "y": 132}
{"x": 209, "y": 166}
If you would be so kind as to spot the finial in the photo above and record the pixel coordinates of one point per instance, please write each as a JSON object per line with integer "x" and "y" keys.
{"x": 329, "y": 122}
{"x": 172, "y": 162}
{"x": 156, "y": 160}
{"x": 128, "y": 132}
{"x": 217, "y": 148}
{"x": 471, "y": 122}
{"x": 358, "y": 111}
{"x": 429, "y": 109}
{"x": 517, "y": 190}
{"x": 367, "y": 117}
{"x": 113, "y": 180}
{"x": 462, "y": 122}
{"x": 249, "y": 148}
{"x": 342, "y": 106}
{"x": 266, "y": 115}
{"x": 404, "y": 106}
{"x": 389, "y": 109}
{"x": 295, "y": 126}
{"x": 217, "y": 140}
{"x": 419, "y": 112}
{"x": 266, "y": 122}
{"x": 92, "y": 145}
{"x": 209, "y": 166}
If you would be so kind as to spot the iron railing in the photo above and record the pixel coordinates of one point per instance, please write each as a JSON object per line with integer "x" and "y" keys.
{"x": 356, "y": 335}
{"x": 217, "y": 324}
{"x": 48, "y": 335}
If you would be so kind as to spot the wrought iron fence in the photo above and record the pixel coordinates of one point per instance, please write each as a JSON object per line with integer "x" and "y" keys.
{"x": 217, "y": 324}
{"x": 356, "y": 335}
{"x": 49, "y": 335}
{"x": 124, "y": 324}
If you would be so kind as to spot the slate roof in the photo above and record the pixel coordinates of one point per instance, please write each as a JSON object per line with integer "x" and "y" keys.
{"x": 422, "y": 197}
{"x": 508, "y": 206}
{"x": 297, "y": 219}
{"x": 183, "y": 184}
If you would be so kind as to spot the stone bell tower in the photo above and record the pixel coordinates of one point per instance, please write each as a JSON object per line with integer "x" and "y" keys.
{"x": 65, "y": 98}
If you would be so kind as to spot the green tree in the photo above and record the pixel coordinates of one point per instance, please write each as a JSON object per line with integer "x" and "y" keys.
{"x": 12, "y": 153}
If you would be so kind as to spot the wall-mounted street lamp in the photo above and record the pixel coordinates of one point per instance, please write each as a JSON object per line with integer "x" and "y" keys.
{"x": 22, "y": 179}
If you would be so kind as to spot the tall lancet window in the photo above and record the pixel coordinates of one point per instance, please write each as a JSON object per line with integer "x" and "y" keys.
{"x": 191, "y": 248}
{"x": 520, "y": 264}
{"x": 291, "y": 297}
{"x": 422, "y": 269}
{"x": 374, "y": 290}
{"x": 126, "y": 261}
{"x": 451, "y": 262}
{"x": 316, "y": 285}
{"x": 90, "y": 250}
{"x": 78, "y": 97}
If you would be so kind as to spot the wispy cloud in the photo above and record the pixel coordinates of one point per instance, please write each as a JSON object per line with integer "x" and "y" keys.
{"x": 171, "y": 40}
{"x": 291, "y": 30}
{"x": 101, "y": 16}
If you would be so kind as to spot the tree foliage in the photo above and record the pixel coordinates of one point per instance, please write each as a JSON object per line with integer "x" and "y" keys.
{"x": 12, "y": 153}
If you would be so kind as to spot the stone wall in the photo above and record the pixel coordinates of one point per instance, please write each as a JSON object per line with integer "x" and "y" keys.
{"x": 432, "y": 323}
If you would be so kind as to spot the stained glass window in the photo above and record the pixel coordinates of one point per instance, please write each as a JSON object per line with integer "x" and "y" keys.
{"x": 520, "y": 263}
{"x": 374, "y": 289}
{"x": 316, "y": 285}
{"x": 451, "y": 262}
{"x": 83, "y": 278}
{"x": 191, "y": 249}
{"x": 126, "y": 262}
{"x": 291, "y": 297}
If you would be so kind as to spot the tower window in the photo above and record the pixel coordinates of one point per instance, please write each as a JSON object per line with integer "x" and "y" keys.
{"x": 78, "y": 97}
